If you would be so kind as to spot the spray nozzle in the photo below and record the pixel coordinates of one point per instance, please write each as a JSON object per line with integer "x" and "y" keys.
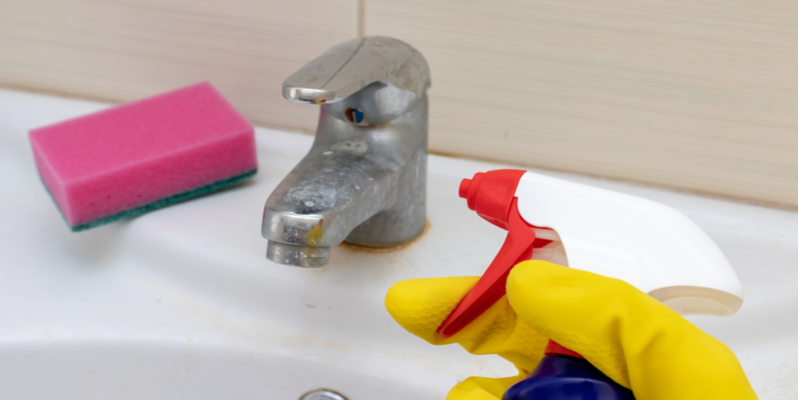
{"x": 463, "y": 189}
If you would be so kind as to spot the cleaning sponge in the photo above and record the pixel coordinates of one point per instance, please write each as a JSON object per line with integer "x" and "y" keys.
{"x": 138, "y": 157}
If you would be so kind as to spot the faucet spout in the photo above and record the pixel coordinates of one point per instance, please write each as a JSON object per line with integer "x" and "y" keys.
{"x": 363, "y": 181}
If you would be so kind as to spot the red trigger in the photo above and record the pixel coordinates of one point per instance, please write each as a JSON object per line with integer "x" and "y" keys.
{"x": 491, "y": 195}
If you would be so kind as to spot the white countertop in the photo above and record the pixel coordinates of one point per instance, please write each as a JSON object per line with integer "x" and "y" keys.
{"x": 182, "y": 303}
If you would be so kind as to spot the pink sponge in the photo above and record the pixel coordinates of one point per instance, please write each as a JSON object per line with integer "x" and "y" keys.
{"x": 137, "y": 157}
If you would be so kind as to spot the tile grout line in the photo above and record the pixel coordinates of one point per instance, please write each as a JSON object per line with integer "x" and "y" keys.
{"x": 360, "y": 17}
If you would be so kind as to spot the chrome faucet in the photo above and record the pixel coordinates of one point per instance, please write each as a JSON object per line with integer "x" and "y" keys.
{"x": 363, "y": 181}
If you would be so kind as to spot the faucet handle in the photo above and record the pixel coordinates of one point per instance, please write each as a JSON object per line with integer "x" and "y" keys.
{"x": 349, "y": 67}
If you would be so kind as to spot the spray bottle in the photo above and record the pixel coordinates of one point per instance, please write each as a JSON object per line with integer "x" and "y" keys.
{"x": 651, "y": 246}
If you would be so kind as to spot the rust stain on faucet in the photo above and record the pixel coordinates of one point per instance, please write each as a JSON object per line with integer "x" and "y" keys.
{"x": 383, "y": 250}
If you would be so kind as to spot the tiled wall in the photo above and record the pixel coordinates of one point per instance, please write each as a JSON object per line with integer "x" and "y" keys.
{"x": 700, "y": 94}
{"x": 124, "y": 50}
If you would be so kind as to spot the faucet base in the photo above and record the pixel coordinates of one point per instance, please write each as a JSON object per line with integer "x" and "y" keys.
{"x": 299, "y": 256}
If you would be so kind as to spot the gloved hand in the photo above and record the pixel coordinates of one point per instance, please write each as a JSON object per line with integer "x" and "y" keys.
{"x": 629, "y": 336}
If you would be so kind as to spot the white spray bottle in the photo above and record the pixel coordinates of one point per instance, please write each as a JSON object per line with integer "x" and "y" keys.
{"x": 651, "y": 246}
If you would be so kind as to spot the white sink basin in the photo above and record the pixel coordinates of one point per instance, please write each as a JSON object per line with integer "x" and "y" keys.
{"x": 182, "y": 303}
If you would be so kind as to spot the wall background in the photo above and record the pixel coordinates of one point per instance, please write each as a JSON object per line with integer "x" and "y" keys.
{"x": 692, "y": 94}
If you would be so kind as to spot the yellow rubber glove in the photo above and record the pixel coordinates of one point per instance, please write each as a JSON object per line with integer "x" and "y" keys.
{"x": 629, "y": 336}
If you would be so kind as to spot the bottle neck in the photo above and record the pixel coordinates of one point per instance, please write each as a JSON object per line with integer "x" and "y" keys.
{"x": 555, "y": 349}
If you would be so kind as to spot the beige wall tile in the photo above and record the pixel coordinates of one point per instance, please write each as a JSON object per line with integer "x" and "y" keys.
{"x": 124, "y": 50}
{"x": 700, "y": 95}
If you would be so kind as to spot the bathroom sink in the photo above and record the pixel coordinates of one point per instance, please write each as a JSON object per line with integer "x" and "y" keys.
{"x": 182, "y": 303}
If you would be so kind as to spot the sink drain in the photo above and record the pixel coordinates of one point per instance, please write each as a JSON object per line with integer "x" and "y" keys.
{"x": 322, "y": 394}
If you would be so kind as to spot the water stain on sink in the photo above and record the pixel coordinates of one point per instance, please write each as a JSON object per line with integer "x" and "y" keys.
{"x": 383, "y": 250}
